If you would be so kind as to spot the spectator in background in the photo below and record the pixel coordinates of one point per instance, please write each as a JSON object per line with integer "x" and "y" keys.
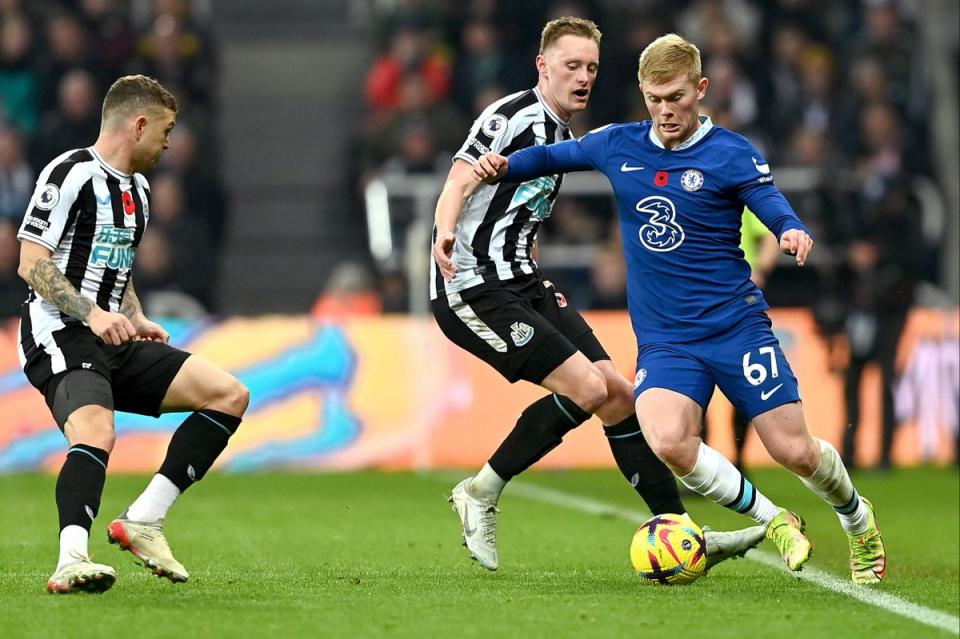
{"x": 349, "y": 290}
{"x": 608, "y": 279}
{"x": 482, "y": 62}
{"x": 13, "y": 291}
{"x": 158, "y": 292}
{"x": 868, "y": 83}
{"x": 874, "y": 287}
{"x": 74, "y": 123}
{"x": 202, "y": 188}
{"x": 16, "y": 176}
{"x": 113, "y": 34}
{"x": 411, "y": 54}
{"x": 68, "y": 48}
{"x": 573, "y": 222}
{"x": 176, "y": 55}
{"x": 418, "y": 153}
{"x": 153, "y": 265}
{"x": 19, "y": 80}
{"x": 393, "y": 288}
{"x": 193, "y": 269}
{"x": 886, "y": 40}
{"x": 732, "y": 93}
{"x": 816, "y": 108}
{"x": 789, "y": 43}
{"x": 415, "y": 106}
{"x": 701, "y": 16}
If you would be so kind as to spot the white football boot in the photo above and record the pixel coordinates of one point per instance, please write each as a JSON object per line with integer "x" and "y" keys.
{"x": 81, "y": 575}
{"x": 148, "y": 544}
{"x": 479, "y": 520}
{"x": 723, "y": 545}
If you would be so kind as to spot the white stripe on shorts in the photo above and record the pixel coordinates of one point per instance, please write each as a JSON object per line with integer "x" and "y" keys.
{"x": 475, "y": 324}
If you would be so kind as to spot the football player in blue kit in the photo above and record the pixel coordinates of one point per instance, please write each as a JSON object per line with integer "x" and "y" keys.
{"x": 681, "y": 185}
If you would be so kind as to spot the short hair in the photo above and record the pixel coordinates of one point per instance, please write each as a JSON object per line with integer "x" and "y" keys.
{"x": 668, "y": 57}
{"x": 133, "y": 93}
{"x": 556, "y": 29}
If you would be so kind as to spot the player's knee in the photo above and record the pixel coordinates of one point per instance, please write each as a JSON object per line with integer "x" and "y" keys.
{"x": 800, "y": 457}
{"x": 619, "y": 397}
{"x": 227, "y": 395}
{"x": 93, "y": 429}
{"x": 235, "y": 397}
{"x": 591, "y": 393}
{"x": 680, "y": 453}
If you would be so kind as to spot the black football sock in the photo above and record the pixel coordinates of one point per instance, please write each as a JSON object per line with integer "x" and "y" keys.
{"x": 642, "y": 468}
{"x": 195, "y": 445}
{"x": 539, "y": 430}
{"x": 80, "y": 485}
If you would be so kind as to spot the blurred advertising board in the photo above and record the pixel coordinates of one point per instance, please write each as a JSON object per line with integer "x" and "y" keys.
{"x": 391, "y": 392}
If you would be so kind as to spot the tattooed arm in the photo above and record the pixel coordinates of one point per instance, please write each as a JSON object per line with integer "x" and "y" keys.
{"x": 131, "y": 307}
{"x": 43, "y": 276}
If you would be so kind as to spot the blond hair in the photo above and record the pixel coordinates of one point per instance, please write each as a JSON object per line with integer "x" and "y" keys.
{"x": 135, "y": 93}
{"x": 668, "y": 57}
{"x": 556, "y": 29}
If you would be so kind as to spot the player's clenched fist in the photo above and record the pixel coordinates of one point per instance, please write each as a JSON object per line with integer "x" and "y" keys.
{"x": 113, "y": 328}
{"x": 490, "y": 167}
{"x": 796, "y": 242}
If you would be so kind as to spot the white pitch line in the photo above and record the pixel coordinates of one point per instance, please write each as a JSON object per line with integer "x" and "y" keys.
{"x": 886, "y": 601}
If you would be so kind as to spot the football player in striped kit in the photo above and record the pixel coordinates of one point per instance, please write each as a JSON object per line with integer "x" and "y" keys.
{"x": 87, "y": 346}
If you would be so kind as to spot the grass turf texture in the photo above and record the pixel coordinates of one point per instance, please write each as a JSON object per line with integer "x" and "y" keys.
{"x": 378, "y": 555}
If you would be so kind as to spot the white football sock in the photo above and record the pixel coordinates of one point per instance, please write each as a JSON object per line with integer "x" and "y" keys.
{"x": 486, "y": 485}
{"x": 832, "y": 483}
{"x": 72, "y": 539}
{"x": 717, "y": 479}
{"x": 153, "y": 504}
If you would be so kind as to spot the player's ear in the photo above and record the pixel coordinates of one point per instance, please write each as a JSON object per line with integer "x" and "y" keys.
{"x": 541, "y": 65}
{"x": 139, "y": 124}
{"x": 702, "y": 88}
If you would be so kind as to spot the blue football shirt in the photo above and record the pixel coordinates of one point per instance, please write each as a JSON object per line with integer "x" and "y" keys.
{"x": 680, "y": 215}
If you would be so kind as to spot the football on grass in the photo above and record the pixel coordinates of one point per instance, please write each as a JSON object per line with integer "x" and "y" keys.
{"x": 669, "y": 550}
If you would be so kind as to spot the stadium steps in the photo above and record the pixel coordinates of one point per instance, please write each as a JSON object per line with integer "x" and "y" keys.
{"x": 289, "y": 105}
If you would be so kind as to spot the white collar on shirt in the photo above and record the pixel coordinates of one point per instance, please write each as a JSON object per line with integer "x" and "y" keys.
{"x": 550, "y": 112}
{"x": 705, "y": 125}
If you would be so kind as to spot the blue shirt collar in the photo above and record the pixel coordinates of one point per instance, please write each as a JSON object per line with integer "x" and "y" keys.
{"x": 705, "y": 125}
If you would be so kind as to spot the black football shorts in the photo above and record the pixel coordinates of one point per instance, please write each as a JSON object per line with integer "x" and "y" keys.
{"x": 139, "y": 372}
{"x": 523, "y": 328}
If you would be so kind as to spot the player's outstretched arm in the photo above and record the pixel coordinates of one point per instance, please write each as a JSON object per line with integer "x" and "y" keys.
{"x": 131, "y": 307}
{"x": 458, "y": 188}
{"x": 38, "y": 270}
{"x": 533, "y": 162}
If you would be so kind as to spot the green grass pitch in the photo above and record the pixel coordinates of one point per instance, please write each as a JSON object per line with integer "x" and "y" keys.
{"x": 379, "y": 555}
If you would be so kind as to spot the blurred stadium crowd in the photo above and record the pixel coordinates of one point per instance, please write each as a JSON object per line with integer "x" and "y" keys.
{"x": 57, "y": 59}
{"x": 835, "y": 88}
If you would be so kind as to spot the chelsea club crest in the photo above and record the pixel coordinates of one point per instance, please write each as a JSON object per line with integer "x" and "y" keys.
{"x": 691, "y": 180}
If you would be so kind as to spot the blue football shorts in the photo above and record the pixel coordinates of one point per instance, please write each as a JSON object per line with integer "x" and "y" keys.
{"x": 745, "y": 362}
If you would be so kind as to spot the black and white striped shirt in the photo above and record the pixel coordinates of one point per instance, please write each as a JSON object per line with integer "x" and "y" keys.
{"x": 92, "y": 217}
{"x": 498, "y": 226}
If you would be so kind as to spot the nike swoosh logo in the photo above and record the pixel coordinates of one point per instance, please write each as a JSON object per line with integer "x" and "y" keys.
{"x": 765, "y": 395}
{"x": 762, "y": 168}
{"x": 624, "y": 168}
{"x": 467, "y": 530}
